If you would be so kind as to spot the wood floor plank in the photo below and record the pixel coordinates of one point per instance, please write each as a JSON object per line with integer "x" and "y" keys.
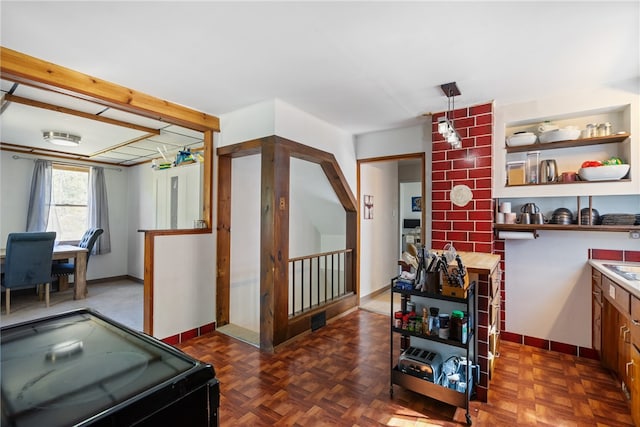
{"x": 339, "y": 376}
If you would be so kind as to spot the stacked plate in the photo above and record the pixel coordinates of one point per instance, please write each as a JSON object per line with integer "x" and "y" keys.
{"x": 619, "y": 219}
{"x": 584, "y": 216}
{"x": 562, "y": 216}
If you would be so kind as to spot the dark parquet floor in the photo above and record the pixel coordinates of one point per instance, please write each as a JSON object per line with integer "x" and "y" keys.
{"x": 339, "y": 376}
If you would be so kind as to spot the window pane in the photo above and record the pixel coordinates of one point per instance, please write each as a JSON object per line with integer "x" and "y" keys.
{"x": 70, "y": 222}
{"x": 70, "y": 187}
{"x": 69, "y": 213}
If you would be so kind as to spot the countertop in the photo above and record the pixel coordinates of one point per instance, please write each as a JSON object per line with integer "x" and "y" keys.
{"x": 633, "y": 286}
{"x": 479, "y": 262}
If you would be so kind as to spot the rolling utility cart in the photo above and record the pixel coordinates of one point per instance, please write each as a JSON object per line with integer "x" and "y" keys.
{"x": 439, "y": 366}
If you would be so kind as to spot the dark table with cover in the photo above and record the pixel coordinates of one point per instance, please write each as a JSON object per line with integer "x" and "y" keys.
{"x": 82, "y": 368}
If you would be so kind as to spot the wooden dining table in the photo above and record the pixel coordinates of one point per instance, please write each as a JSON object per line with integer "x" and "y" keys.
{"x": 65, "y": 252}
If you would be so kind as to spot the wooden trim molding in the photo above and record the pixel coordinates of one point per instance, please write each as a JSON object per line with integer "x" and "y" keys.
{"x": 275, "y": 325}
{"x": 36, "y": 72}
{"x": 223, "y": 242}
{"x": 147, "y": 315}
{"x": 18, "y": 67}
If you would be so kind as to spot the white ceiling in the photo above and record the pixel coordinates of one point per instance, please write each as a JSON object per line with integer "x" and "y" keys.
{"x": 361, "y": 66}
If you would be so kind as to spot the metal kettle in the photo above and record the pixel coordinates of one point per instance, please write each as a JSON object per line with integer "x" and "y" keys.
{"x": 548, "y": 171}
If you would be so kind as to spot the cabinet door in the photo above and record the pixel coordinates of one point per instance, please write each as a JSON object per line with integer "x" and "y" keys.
{"x": 635, "y": 384}
{"x": 624, "y": 350}
{"x": 596, "y": 327}
{"x": 596, "y": 311}
{"x": 610, "y": 335}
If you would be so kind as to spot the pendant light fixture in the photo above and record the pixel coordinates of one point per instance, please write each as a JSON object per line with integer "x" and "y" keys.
{"x": 61, "y": 138}
{"x": 445, "y": 123}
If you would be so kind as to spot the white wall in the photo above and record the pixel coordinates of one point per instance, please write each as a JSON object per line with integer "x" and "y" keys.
{"x": 244, "y": 308}
{"x": 252, "y": 122}
{"x": 141, "y": 216}
{"x": 184, "y": 287}
{"x": 296, "y": 125}
{"x": 15, "y": 184}
{"x": 379, "y": 236}
{"x": 548, "y": 283}
{"x": 392, "y": 142}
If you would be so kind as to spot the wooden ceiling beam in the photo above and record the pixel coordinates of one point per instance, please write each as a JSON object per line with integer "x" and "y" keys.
{"x": 51, "y": 107}
{"x": 18, "y": 67}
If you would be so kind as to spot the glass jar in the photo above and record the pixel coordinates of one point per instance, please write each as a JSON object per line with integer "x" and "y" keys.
{"x": 533, "y": 162}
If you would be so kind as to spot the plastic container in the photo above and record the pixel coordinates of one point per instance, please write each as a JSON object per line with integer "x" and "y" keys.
{"x": 443, "y": 332}
{"x": 533, "y": 162}
{"x": 516, "y": 174}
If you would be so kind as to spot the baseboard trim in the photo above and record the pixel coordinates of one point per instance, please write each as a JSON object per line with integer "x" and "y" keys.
{"x": 545, "y": 344}
{"x": 372, "y": 295}
{"x": 115, "y": 278}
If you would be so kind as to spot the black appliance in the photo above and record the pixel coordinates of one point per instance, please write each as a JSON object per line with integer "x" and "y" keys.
{"x": 81, "y": 368}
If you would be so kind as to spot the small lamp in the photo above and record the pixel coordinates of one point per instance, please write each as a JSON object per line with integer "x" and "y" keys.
{"x": 445, "y": 125}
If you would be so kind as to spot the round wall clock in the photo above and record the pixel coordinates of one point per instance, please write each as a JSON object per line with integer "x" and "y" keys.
{"x": 461, "y": 195}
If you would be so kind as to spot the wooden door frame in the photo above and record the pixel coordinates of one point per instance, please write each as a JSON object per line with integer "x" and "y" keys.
{"x": 413, "y": 156}
{"x": 276, "y": 152}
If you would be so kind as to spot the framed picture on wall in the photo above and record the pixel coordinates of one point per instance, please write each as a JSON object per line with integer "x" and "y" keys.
{"x": 416, "y": 204}
{"x": 368, "y": 206}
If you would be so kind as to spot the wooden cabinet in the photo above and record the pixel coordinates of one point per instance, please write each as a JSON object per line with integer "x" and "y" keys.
{"x": 610, "y": 322}
{"x": 635, "y": 384}
{"x": 619, "y": 335}
{"x": 495, "y": 307}
{"x": 616, "y": 330}
{"x": 596, "y": 311}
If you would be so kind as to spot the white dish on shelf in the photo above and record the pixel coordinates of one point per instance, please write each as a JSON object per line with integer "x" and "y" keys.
{"x": 567, "y": 134}
{"x": 524, "y": 138}
{"x": 603, "y": 173}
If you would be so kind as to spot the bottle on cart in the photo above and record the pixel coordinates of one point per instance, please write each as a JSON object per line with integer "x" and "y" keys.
{"x": 425, "y": 321}
{"x": 434, "y": 322}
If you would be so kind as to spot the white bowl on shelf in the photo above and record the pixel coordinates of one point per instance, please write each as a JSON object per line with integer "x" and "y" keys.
{"x": 524, "y": 138}
{"x": 567, "y": 134}
{"x": 603, "y": 173}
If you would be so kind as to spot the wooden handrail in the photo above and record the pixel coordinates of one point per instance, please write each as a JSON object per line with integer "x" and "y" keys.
{"x": 341, "y": 251}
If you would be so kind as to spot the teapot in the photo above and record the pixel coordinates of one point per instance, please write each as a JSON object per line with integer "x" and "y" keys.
{"x": 530, "y": 208}
{"x": 548, "y": 171}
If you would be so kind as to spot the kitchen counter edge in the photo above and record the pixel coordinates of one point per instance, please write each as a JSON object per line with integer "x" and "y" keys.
{"x": 632, "y": 286}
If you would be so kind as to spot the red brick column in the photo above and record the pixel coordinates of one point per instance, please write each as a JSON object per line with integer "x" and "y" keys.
{"x": 470, "y": 227}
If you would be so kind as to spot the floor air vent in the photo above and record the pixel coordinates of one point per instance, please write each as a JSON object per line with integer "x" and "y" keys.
{"x": 318, "y": 320}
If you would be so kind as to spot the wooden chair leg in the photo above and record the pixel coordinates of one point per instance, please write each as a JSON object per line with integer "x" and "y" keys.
{"x": 40, "y": 294}
{"x": 63, "y": 283}
{"x": 7, "y": 299}
{"x": 46, "y": 293}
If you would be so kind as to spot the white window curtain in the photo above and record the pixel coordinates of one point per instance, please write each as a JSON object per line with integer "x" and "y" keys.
{"x": 40, "y": 196}
{"x": 98, "y": 209}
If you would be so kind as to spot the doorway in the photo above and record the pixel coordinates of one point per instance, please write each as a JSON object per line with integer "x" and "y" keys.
{"x": 383, "y": 182}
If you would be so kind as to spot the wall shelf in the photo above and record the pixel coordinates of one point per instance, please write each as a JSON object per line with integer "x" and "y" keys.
{"x": 583, "y": 142}
{"x": 565, "y": 227}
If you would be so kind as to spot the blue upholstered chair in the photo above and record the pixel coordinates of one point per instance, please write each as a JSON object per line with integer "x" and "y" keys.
{"x": 62, "y": 270}
{"x": 28, "y": 263}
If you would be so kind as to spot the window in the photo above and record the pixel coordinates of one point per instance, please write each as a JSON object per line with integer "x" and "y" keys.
{"x": 68, "y": 215}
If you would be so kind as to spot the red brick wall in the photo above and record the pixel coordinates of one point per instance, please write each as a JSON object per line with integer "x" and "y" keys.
{"x": 469, "y": 228}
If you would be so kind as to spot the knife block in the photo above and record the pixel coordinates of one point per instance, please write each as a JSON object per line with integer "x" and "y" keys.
{"x": 452, "y": 289}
